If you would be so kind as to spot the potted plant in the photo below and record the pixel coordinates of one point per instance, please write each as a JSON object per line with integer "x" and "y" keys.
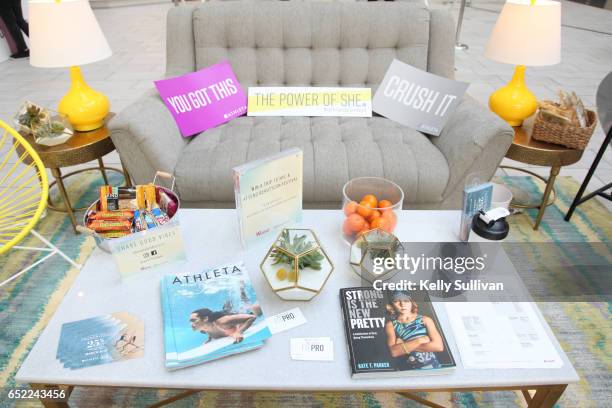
{"x": 49, "y": 128}
{"x": 30, "y": 117}
{"x": 53, "y": 131}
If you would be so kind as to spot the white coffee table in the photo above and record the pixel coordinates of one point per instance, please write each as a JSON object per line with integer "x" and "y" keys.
{"x": 211, "y": 238}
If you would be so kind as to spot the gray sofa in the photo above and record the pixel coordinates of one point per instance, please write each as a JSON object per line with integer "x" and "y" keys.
{"x": 312, "y": 44}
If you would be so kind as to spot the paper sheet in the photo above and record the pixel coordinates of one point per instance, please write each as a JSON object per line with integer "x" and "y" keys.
{"x": 501, "y": 335}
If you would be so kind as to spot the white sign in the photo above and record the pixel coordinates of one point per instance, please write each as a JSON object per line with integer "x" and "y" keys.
{"x": 148, "y": 249}
{"x": 416, "y": 98}
{"x": 285, "y": 320}
{"x": 310, "y": 101}
{"x": 312, "y": 349}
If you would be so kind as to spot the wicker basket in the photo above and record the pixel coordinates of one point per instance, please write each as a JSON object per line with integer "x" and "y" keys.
{"x": 574, "y": 137}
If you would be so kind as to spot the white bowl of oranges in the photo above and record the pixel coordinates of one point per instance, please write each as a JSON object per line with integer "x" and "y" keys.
{"x": 370, "y": 203}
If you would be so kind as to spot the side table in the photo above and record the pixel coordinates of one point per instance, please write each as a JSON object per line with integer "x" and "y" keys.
{"x": 534, "y": 152}
{"x": 81, "y": 148}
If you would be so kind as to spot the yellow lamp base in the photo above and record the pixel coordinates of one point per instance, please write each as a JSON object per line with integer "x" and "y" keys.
{"x": 85, "y": 108}
{"x": 514, "y": 102}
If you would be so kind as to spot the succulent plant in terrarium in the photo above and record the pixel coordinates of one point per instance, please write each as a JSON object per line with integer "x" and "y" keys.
{"x": 51, "y": 128}
{"x": 384, "y": 246}
{"x": 32, "y": 117}
{"x": 367, "y": 251}
{"x": 298, "y": 246}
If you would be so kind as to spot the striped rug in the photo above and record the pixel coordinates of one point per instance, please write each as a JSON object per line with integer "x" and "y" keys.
{"x": 583, "y": 329}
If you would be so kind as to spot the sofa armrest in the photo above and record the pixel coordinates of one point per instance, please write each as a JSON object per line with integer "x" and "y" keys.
{"x": 147, "y": 138}
{"x": 474, "y": 140}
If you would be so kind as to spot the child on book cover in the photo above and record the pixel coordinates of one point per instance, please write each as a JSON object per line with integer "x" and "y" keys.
{"x": 413, "y": 339}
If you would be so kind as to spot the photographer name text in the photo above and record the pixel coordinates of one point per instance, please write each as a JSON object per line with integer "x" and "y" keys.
{"x": 440, "y": 285}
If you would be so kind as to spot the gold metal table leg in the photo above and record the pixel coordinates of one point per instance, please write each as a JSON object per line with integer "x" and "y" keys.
{"x": 57, "y": 174}
{"x": 175, "y": 398}
{"x": 420, "y": 400}
{"x": 103, "y": 170}
{"x": 516, "y": 204}
{"x": 546, "y": 396}
{"x": 554, "y": 171}
{"x": 553, "y": 396}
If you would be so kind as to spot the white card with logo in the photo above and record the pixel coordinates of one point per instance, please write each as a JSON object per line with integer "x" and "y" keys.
{"x": 148, "y": 249}
{"x": 312, "y": 349}
{"x": 286, "y": 320}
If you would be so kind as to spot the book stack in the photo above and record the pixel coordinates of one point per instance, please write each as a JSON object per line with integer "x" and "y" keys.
{"x": 210, "y": 315}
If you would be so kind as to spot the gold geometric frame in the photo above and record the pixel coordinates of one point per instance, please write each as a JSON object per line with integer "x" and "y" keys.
{"x": 317, "y": 247}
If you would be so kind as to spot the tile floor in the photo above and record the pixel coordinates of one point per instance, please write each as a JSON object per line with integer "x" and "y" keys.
{"x": 137, "y": 37}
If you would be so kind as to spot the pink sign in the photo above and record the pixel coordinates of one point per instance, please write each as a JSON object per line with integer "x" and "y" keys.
{"x": 204, "y": 99}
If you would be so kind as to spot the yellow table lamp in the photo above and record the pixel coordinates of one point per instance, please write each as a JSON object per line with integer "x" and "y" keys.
{"x": 527, "y": 32}
{"x": 65, "y": 33}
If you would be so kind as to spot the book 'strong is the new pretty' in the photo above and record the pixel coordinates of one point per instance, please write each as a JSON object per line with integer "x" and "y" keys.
{"x": 393, "y": 334}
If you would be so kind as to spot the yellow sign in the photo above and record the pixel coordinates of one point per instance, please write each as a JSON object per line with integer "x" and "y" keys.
{"x": 309, "y": 101}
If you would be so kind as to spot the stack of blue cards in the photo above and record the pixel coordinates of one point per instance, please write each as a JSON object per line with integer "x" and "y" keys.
{"x": 100, "y": 340}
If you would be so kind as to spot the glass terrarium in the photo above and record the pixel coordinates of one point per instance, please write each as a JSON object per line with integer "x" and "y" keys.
{"x": 30, "y": 116}
{"x": 296, "y": 266}
{"x": 368, "y": 254}
{"x": 48, "y": 127}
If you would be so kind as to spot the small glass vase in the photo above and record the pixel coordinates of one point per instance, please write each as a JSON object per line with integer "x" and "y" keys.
{"x": 54, "y": 131}
{"x": 370, "y": 203}
{"x": 369, "y": 251}
{"x": 29, "y": 117}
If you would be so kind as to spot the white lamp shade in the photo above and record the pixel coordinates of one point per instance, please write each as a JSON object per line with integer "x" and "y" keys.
{"x": 527, "y": 34}
{"x": 64, "y": 33}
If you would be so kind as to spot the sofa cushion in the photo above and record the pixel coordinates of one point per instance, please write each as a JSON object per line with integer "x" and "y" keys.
{"x": 310, "y": 44}
{"x": 335, "y": 151}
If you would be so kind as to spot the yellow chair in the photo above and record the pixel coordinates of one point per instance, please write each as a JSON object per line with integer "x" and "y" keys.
{"x": 24, "y": 189}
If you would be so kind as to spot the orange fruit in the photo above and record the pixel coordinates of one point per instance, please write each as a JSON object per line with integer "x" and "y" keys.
{"x": 355, "y": 222}
{"x": 375, "y": 214}
{"x": 365, "y": 229}
{"x": 390, "y": 216}
{"x": 381, "y": 223}
{"x": 384, "y": 204}
{"x": 371, "y": 198}
{"x": 346, "y": 228}
{"x": 350, "y": 208}
{"x": 364, "y": 209}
